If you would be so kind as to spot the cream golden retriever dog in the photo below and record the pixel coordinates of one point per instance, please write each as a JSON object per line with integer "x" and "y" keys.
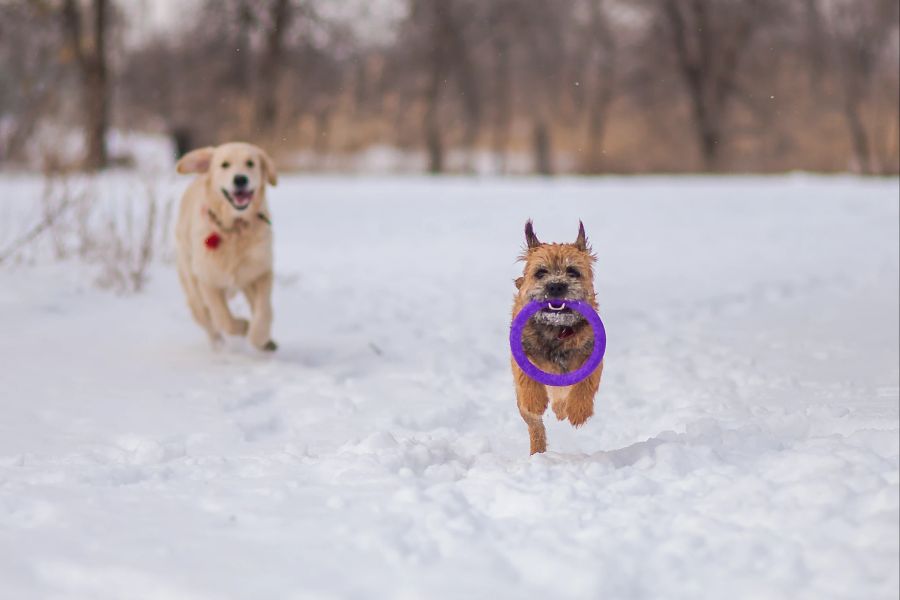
{"x": 224, "y": 240}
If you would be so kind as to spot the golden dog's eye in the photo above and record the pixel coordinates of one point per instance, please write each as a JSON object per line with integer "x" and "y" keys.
{"x": 540, "y": 273}
{"x": 249, "y": 164}
{"x": 226, "y": 164}
{"x": 573, "y": 272}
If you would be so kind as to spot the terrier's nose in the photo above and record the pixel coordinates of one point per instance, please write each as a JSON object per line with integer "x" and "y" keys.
{"x": 556, "y": 289}
{"x": 240, "y": 181}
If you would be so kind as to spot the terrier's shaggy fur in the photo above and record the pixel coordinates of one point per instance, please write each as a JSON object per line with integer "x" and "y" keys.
{"x": 556, "y": 342}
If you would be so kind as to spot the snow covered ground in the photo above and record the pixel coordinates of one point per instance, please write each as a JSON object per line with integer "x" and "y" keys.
{"x": 745, "y": 443}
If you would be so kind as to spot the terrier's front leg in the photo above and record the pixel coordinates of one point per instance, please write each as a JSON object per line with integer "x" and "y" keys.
{"x": 531, "y": 397}
{"x": 580, "y": 404}
{"x": 559, "y": 396}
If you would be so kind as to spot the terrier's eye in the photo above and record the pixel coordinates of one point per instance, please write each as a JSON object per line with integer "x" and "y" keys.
{"x": 573, "y": 272}
{"x": 249, "y": 164}
{"x": 226, "y": 164}
{"x": 540, "y": 273}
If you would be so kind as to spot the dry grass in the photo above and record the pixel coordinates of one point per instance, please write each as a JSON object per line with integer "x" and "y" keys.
{"x": 121, "y": 236}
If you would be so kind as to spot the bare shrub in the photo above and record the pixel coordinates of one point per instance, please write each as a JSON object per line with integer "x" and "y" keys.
{"x": 123, "y": 236}
{"x": 130, "y": 241}
{"x": 57, "y": 200}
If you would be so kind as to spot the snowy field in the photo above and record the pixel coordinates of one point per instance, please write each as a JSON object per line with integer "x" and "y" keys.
{"x": 745, "y": 443}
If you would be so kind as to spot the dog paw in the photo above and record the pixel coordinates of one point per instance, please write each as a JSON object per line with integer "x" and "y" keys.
{"x": 579, "y": 413}
{"x": 216, "y": 341}
{"x": 269, "y": 346}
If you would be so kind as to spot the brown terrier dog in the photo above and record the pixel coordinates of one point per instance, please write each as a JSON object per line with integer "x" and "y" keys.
{"x": 555, "y": 341}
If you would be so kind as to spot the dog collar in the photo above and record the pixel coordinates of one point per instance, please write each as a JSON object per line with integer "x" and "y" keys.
{"x": 239, "y": 223}
{"x": 213, "y": 240}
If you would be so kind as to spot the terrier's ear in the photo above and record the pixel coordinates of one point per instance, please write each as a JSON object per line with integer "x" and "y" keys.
{"x": 530, "y": 239}
{"x": 195, "y": 161}
{"x": 519, "y": 282}
{"x": 581, "y": 241}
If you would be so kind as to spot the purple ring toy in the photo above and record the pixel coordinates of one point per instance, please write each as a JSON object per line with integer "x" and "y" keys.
{"x": 554, "y": 379}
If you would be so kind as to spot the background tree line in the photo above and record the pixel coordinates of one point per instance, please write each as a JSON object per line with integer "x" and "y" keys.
{"x": 587, "y": 86}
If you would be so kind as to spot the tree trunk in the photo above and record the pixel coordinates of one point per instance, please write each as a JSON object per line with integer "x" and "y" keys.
{"x": 466, "y": 78}
{"x": 243, "y": 59}
{"x": 434, "y": 142}
{"x": 93, "y": 68}
{"x": 596, "y": 129}
{"x": 502, "y": 104}
{"x": 815, "y": 44}
{"x": 708, "y": 62}
{"x": 859, "y": 51}
{"x": 602, "y": 95}
{"x": 97, "y": 91}
{"x": 271, "y": 67}
{"x": 858, "y": 136}
{"x": 543, "y": 162}
{"x": 322, "y": 142}
{"x": 708, "y": 131}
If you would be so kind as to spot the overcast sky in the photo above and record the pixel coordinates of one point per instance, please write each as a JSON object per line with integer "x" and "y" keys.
{"x": 148, "y": 17}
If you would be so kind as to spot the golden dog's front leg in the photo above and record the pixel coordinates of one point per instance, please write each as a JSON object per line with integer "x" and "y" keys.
{"x": 259, "y": 296}
{"x": 580, "y": 404}
{"x": 214, "y": 298}
{"x": 198, "y": 308}
{"x": 531, "y": 397}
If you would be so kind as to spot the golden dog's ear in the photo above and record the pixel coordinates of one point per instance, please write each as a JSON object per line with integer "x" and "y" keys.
{"x": 519, "y": 282}
{"x": 195, "y": 161}
{"x": 269, "y": 167}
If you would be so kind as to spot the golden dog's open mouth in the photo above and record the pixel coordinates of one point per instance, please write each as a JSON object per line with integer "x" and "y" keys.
{"x": 239, "y": 199}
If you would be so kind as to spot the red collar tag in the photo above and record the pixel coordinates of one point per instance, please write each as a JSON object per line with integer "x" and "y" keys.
{"x": 212, "y": 241}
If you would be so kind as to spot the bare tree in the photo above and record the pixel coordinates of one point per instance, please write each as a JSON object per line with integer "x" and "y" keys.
{"x": 501, "y": 80}
{"x": 438, "y": 61}
{"x": 543, "y": 30}
{"x": 90, "y": 55}
{"x": 857, "y": 34}
{"x": 31, "y": 75}
{"x": 602, "y": 51}
{"x": 709, "y": 39}
{"x": 437, "y": 51}
{"x": 816, "y": 45}
{"x": 272, "y": 62}
{"x": 761, "y": 81}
